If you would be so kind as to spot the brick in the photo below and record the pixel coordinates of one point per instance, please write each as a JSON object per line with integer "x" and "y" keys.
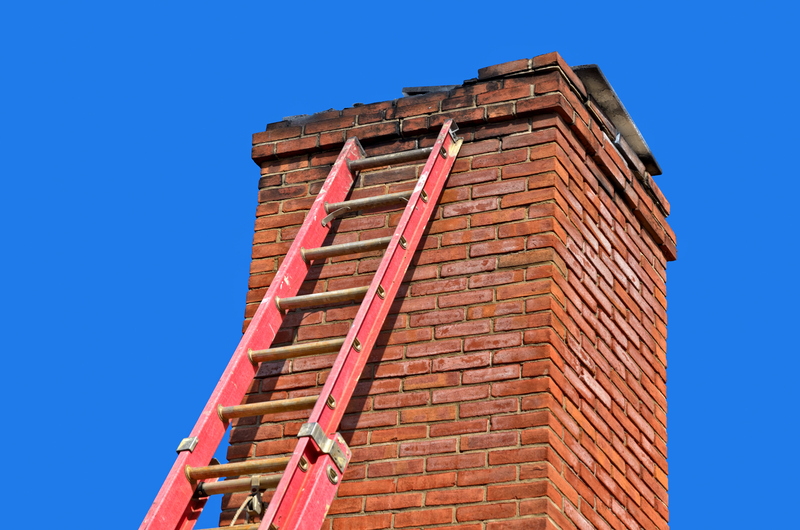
{"x": 496, "y": 247}
{"x": 366, "y": 522}
{"x": 459, "y": 496}
{"x": 423, "y": 517}
{"x": 349, "y": 488}
{"x": 500, "y": 159}
{"x": 410, "y": 432}
{"x": 463, "y": 329}
{"x": 493, "y": 218}
{"x": 499, "y": 373}
{"x": 466, "y": 208}
{"x": 431, "y": 447}
{"x": 379, "y": 130}
{"x": 393, "y": 502}
{"x": 284, "y": 192}
{"x": 441, "y": 286}
{"x": 281, "y": 133}
{"x": 488, "y": 441}
{"x": 431, "y": 381}
{"x": 486, "y": 511}
{"x": 426, "y": 482}
{"x": 516, "y": 491}
{"x": 366, "y": 421}
{"x": 472, "y": 177}
{"x": 465, "y": 299}
{"x": 428, "y": 414}
{"x": 467, "y": 236}
{"x": 460, "y": 394}
{"x": 492, "y": 342}
{"x": 395, "y": 467}
{"x": 461, "y": 362}
{"x": 499, "y": 188}
{"x": 403, "y": 369}
{"x": 495, "y": 406}
{"x": 434, "y": 348}
{"x": 459, "y": 427}
{"x": 503, "y": 69}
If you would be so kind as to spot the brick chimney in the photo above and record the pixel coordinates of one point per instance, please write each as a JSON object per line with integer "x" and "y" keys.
{"x": 520, "y": 380}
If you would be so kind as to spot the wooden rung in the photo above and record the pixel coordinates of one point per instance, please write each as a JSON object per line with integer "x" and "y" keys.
{"x": 266, "y": 407}
{"x": 312, "y": 300}
{"x": 386, "y": 160}
{"x": 296, "y": 350}
{"x": 248, "y": 467}
{"x": 265, "y": 482}
{"x": 237, "y": 527}
{"x": 369, "y": 202}
{"x": 346, "y": 248}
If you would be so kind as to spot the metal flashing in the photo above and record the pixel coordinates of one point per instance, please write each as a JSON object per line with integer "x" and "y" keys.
{"x": 603, "y": 94}
{"x": 419, "y": 90}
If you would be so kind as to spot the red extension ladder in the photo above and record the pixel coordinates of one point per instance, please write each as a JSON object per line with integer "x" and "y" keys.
{"x": 310, "y": 477}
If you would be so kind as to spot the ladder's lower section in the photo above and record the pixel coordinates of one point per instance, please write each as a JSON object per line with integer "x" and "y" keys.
{"x": 311, "y": 476}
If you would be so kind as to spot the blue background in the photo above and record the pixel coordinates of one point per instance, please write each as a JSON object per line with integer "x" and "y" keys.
{"x": 128, "y": 199}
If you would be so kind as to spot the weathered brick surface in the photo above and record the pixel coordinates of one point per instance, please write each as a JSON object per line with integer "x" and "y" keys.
{"x": 520, "y": 380}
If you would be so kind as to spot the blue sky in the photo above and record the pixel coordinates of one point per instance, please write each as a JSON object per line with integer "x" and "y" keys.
{"x": 128, "y": 199}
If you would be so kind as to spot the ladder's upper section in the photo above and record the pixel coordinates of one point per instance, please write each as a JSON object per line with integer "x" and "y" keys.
{"x": 500, "y": 95}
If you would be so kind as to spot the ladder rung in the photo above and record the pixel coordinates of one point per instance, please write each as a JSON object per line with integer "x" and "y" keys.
{"x": 312, "y": 300}
{"x": 296, "y": 350}
{"x": 248, "y": 467}
{"x": 385, "y": 160}
{"x": 265, "y": 482}
{"x": 369, "y": 202}
{"x": 237, "y": 527}
{"x": 266, "y": 407}
{"x": 345, "y": 248}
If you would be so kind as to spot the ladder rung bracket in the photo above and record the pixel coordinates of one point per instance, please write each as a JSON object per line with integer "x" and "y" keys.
{"x": 346, "y": 248}
{"x": 302, "y": 497}
{"x": 266, "y": 407}
{"x": 175, "y": 502}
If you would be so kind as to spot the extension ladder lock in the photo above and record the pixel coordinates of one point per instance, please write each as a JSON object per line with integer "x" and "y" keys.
{"x": 305, "y": 483}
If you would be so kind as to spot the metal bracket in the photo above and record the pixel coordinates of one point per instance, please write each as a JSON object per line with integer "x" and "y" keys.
{"x": 334, "y": 214}
{"x": 187, "y": 444}
{"x": 453, "y": 130}
{"x": 333, "y": 448}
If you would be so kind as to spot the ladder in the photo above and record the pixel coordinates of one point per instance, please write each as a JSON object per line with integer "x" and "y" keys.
{"x": 310, "y": 477}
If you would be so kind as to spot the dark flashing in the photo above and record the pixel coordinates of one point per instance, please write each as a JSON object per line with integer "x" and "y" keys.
{"x": 420, "y": 90}
{"x": 601, "y": 92}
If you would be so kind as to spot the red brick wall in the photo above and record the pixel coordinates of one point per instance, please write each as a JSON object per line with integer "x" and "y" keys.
{"x": 520, "y": 381}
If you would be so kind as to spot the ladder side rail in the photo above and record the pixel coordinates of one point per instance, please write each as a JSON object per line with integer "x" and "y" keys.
{"x": 293, "y": 506}
{"x": 173, "y": 507}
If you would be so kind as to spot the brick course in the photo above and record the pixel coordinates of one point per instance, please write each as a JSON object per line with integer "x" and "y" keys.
{"x": 520, "y": 381}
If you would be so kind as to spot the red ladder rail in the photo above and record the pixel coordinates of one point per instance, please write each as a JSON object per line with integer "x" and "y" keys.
{"x": 302, "y": 498}
{"x": 172, "y": 508}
